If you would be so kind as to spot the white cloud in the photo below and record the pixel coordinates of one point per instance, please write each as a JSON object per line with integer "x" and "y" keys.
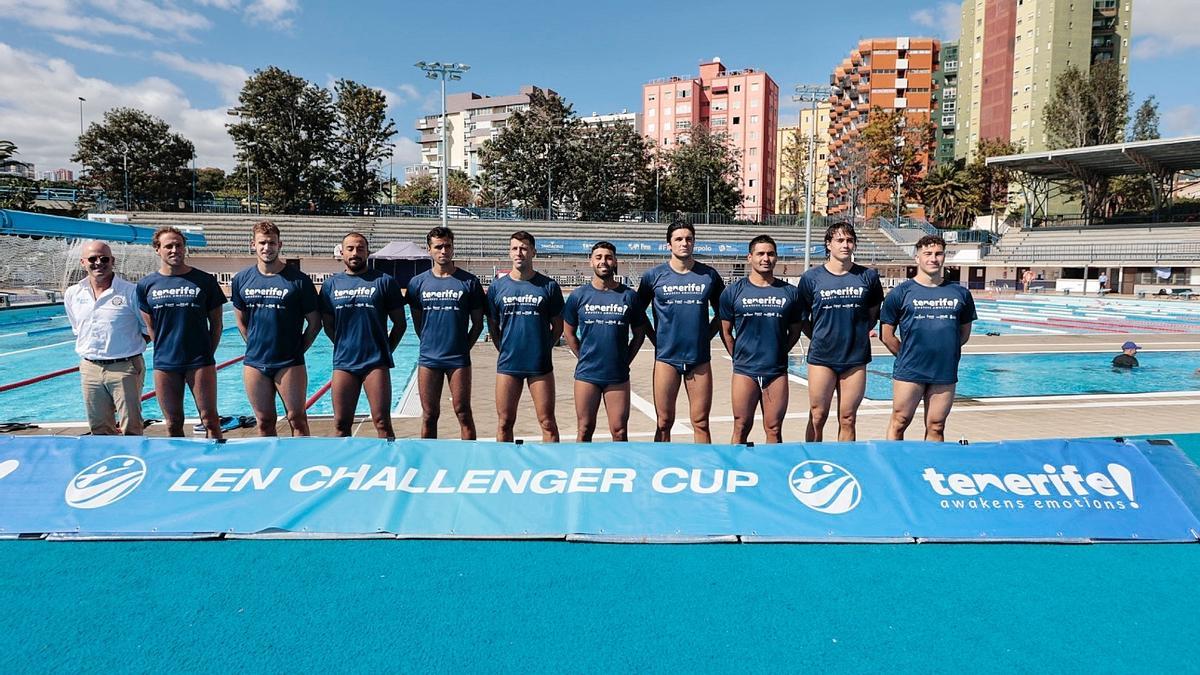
{"x": 80, "y": 43}
{"x": 408, "y": 152}
{"x": 1162, "y": 27}
{"x": 219, "y": 4}
{"x": 64, "y": 16}
{"x": 945, "y": 19}
{"x": 39, "y": 109}
{"x": 275, "y": 13}
{"x": 228, "y": 78}
{"x": 164, "y": 16}
{"x": 1182, "y": 120}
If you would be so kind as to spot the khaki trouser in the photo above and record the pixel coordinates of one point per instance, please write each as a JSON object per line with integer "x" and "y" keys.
{"x": 111, "y": 391}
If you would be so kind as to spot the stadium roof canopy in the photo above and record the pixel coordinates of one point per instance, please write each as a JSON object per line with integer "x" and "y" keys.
{"x": 1160, "y": 157}
{"x": 26, "y": 224}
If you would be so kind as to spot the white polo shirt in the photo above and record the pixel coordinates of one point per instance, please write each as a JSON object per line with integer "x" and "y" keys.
{"x": 107, "y": 327}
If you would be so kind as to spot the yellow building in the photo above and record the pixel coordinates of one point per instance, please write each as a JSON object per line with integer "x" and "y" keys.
{"x": 787, "y": 193}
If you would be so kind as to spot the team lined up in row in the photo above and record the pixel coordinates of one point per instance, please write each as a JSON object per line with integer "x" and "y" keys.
{"x": 759, "y": 317}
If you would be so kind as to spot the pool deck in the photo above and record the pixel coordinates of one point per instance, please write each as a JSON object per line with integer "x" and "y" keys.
{"x": 973, "y": 419}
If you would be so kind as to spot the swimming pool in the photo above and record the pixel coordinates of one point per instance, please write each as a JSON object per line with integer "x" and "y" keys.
{"x": 1050, "y": 374}
{"x": 39, "y": 340}
{"x": 1031, "y": 315}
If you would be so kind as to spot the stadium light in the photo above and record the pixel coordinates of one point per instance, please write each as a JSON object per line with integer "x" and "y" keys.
{"x": 443, "y": 72}
{"x": 810, "y": 93}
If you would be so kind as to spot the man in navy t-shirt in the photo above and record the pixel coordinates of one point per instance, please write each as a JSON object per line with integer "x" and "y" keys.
{"x": 447, "y": 307}
{"x": 934, "y": 321}
{"x": 181, "y": 307}
{"x": 840, "y": 303}
{"x": 760, "y": 323}
{"x": 598, "y": 319}
{"x": 355, "y": 308}
{"x": 524, "y": 311}
{"x": 275, "y": 306}
{"x": 680, "y": 293}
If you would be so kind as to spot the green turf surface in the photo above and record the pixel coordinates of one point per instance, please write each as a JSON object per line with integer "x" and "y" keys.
{"x": 285, "y": 606}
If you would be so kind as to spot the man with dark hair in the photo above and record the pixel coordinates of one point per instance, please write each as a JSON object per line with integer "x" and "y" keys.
{"x": 275, "y": 307}
{"x": 181, "y": 307}
{"x": 1128, "y": 356}
{"x": 524, "y": 322}
{"x": 599, "y": 317}
{"x": 760, "y": 323}
{"x": 840, "y": 304}
{"x": 355, "y": 308}
{"x": 934, "y": 321}
{"x": 680, "y": 293}
{"x": 110, "y": 338}
{"x": 447, "y": 306}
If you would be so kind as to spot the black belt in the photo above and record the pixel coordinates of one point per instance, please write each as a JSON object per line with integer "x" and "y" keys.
{"x": 109, "y": 362}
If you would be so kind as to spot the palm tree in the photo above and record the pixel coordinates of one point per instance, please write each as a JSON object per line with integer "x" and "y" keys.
{"x": 946, "y": 195}
{"x": 7, "y": 149}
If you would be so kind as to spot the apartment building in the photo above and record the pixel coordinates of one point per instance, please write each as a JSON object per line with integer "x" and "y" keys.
{"x": 471, "y": 119}
{"x": 892, "y": 74}
{"x": 1011, "y": 53}
{"x": 744, "y": 104}
{"x": 786, "y": 189}
{"x": 613, "y": 119}
{"x": 945, "y": 104}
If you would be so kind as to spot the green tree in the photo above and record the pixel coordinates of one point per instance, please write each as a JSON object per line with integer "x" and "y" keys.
{"x": 459, "y": 188}
{"x": 157, "y": 158}
{"x": 611, "y": 171}
{"x": 897, "y": 147}
{"x": 706, "y": 162}
{"x": 363, "y": 139}
{"x": 793, "y": 166}
{"x": 286, "y": 133}
{"x": 7, "y": 149}
{"x": 422, "y": 190}
{"x": 209, "y": 179}
{"x": 989, "y": 185}
{"x": 946, "y": 195}
{"x": 849, "y": 178}
{"x": 1137, "y": 193}
{"x": 487, "y": 193}
{"x": 533, "y": 152}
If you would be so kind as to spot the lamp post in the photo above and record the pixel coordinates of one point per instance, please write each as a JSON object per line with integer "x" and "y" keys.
{"x": 444, "y": 71}
{"x": 125, "y": 161}
{"x": 549, "y": 186}
{"x": 810, "y": 93}
{"x": 707, "y": 198}
{"x": 82, "y": 166}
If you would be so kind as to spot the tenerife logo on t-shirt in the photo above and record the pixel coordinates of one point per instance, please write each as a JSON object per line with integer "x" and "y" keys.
{"x": 847, "y": 292}
{"x": 528, "y": 299}
{"x": 270, "y": 292}
{"x": 678, "y": 289}
{"x": 359, "y": 292}
{"x": 448, "y": 294}
{"x": 766, "y": 301}
{"x": 612, "y": 308}
{"x": 936, "y": 303}
{"x": 175, "y": 293}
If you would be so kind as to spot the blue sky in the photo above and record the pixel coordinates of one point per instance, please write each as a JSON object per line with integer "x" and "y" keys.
{"x": 185, "y": 60}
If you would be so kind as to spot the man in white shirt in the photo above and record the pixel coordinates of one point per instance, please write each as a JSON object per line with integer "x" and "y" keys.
{"x": 110, "y": 338}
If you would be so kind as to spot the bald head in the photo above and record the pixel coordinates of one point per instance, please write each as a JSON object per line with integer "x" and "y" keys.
{"x": 97, "y": 259}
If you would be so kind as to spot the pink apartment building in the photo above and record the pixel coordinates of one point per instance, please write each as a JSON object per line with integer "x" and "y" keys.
{"x": 741, "y": 103}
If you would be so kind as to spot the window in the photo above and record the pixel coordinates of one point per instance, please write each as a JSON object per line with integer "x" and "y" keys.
{"x": 753, "y": 152}
{"x": 949, "y": 106}
{"x": 950, "y": 92}
{"x": 719, "y": 121}
{"x": 753, "y": 86}
{"x": 652, "y": 111}
{"x": 737, "y": 120}
{"x": 666, "y": 94}
{"x": 650, "y": 128}
{"x": 651, "y": 97}
{"x": 737, "y": 104}
{"x": 719, "y": 105}
{"x": 666, "y": 140}
{"x": 737, "y": 87}
{"x": 754, "y": 119}
{"x": 683, "y": 108}
{"x": 683, "y": 124}
{"x": 683, "y": 93}
{"x": 750, "y": 183}
{"x": 754, "y": 103}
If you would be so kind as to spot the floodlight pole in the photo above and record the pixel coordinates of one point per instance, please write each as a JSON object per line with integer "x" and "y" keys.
{"x": 811, "y": 93}
{"x": 443, "y": 72}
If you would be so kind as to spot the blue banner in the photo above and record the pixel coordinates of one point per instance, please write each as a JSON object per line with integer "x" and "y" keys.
{"x": 1062, "y": 490}
{"x": 659, "y": 247}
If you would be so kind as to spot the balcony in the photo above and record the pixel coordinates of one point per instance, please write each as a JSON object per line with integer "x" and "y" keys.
{"x": 901, "y": 64}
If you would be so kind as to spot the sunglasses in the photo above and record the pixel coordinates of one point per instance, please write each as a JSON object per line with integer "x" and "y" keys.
{"x": 102, "y": 259}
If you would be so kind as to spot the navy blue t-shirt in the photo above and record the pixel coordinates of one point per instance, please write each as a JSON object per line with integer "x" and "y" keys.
{"x": 839, "y": 308}
{"x": 360, "y": 305}
{"x": 761, "y": 316}
{"x": 928, "y": 321}
{"x": 274, "y": 305}
{"x": 446, "y": 304}
{"x": 523, "y": 310}
{"x": 179, "y": 306}
{"x": 603, "y": 319}
{"x": 681, "y": 311}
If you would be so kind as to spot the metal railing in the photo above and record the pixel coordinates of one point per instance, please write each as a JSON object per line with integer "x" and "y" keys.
{"x": 1157, "y": 251}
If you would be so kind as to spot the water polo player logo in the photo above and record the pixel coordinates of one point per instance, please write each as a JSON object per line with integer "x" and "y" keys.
{"x": 825, "y": 487}
{"x": 105, "y": 482}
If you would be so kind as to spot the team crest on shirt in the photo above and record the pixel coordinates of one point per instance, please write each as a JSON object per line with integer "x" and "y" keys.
{"x": 117, "y": 301}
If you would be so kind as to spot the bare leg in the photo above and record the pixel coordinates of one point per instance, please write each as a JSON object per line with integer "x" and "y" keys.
{"x": 541, "y": 389}
{"x": 168, "y": 388}
{"x": 292, "y": 384}
{"x": 508, "y": 395}
{"x": 345, "y": 391}
{"x": 203, "y": 383}
{"x": 822, "y": 382}
{"x": 378, "y": 386}
{"x": 774, "y": 407}
{"x": 429, "y": 385}
{"x": 666, "y": 390}
{"x": 260, "y": 391}
{"x": 743, "y": 391}
{"x": 905, "y": 398}
{"x": 616, "y": 406}
{"x": 587, "y": 404}
{"x": 460, "y": 398}
{"x": 698, "y": 383}
{"x": 938, "y": 400}
{"x": 851, "y": 387}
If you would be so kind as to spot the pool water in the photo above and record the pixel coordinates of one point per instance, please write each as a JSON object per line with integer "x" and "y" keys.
{"x": 1066, "y": 315}
{"x": 39, "y": 340}
{"x": 1050, "y": 374}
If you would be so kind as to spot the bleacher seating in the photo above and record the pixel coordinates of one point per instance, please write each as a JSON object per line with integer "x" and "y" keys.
{"x": 1113, "y": 245}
